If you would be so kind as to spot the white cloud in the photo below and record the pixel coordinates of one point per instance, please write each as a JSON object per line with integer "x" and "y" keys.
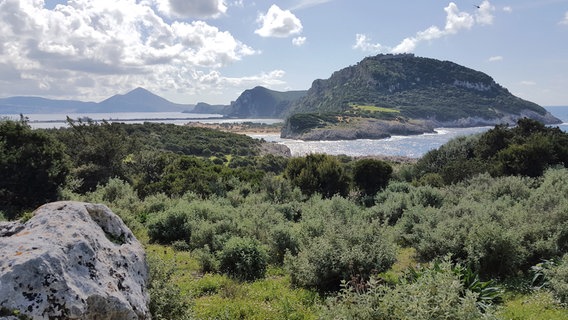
{"x": 456, "y": 21}
{"x": 191, "y": 8}
{"x": 565, "y": 20}
{"x": 495, "y": 58}
{"x": 267, "y": 79}
{"x": 363, "y": 43}
{"x": 278, "y": 23}
{"x": 528, "y": 83}
{"x": 299, "y": 41}
{"x": 303, "y": 4}
{"x": 117, "y": 44}
{"x": 484, "y": 15}
{"x": 508, "y": 9}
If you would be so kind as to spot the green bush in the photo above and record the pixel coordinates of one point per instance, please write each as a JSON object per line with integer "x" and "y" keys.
{"x": 371, "y": 175}
{"x": 169, "y": 226}
{"x": 283, "y": 240}
{"x": 498, "y": 226}
{"x": 207, "y": 260}
{"x": 337, "y": 242}
{"x": 166, "y": 300}
{"x": 243, "y": 258}
{"x": 318, "y": 173}
{"x": 437, "y": 293}
{"x": 558, "y": 279}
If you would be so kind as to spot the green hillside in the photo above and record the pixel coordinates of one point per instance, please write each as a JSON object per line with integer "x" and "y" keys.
{"x": 263, "y": 103}
{"x": 390, "y": 89}
{"x": 418, "y": 87}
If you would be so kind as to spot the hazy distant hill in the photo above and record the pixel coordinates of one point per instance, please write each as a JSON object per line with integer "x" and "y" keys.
{"x": 140, "y": 100}
{"x": 260, "y": 102}
{"x": 202, "y": 107}
{"x": 137, "y": 100}
{"x": 27, "y": 105}
{"x": 399, "y": 90}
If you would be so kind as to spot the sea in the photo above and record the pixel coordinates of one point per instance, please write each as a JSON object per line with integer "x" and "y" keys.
{"x": 396, "y": 146}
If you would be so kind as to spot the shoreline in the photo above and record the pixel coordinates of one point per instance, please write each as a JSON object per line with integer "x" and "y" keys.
{"x": 246, "y": 128}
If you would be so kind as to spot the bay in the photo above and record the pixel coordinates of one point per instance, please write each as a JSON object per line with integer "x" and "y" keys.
{"x": 396, "y": 146}
{"x": 405, "y": 146}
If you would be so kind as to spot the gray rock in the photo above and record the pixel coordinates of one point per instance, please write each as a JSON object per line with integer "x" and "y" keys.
{"x": 73, "y": 260}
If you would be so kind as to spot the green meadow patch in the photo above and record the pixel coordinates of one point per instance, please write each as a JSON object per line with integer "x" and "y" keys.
{"x": 372, "y": 108}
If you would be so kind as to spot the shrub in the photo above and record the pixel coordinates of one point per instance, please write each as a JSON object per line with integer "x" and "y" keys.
{"x": 243, "y": 258}
{"x": 282, "y": 241}
{"x": 356, "y": 251}
{"x": 371, "y": 175}
{"x": 558, "y": 279}
{"x": 169, "y": 226}
{"x": 437, "y": 292}
{"x": 207, "y": 260}
{"x": 318, "y": 173}
{"x": 166, "y": 300}
{"x": 498, "y": 226}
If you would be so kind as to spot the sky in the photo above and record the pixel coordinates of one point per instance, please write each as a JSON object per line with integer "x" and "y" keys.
{"x": 190, "y": 51}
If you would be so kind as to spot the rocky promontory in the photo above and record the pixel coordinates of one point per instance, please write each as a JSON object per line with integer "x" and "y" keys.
{"x": 364, "y": 129}
{"x": 403, "y": 94}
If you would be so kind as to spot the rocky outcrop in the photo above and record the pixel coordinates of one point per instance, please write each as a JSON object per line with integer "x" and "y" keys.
{"x": 503, "y": 118}
{"x": 72, "y": 260}
{"x": 275, "y": 149}
{"x": 363, "y": 129}
{"x": 380, "y": 129}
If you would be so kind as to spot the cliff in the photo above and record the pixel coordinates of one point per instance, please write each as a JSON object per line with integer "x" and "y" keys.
{"x": 261, "y": 102}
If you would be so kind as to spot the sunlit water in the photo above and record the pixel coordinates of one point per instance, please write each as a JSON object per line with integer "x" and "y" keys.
{"x": 407, "y": 146}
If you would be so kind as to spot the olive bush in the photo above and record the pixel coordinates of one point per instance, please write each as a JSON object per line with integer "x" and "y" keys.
{"x": 437, "y": 293}
{"x": 243, "y": 258}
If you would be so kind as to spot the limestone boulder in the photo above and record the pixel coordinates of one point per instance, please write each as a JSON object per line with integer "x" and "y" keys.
{"x": 72, "y": 260}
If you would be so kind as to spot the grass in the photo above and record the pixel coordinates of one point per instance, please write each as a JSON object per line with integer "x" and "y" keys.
{"x": 405, "y": 259}
{"x": 270, "y": 298}
{"x": 538, "y": 305}
{"x": 371, "y": 108}
{"x": 216, "y": 296}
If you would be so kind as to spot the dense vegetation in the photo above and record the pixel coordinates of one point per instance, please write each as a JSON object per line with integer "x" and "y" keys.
{"x": 475, "y": 229}
{"x": 402, "y": 94}
{"x": 416, "y": 87}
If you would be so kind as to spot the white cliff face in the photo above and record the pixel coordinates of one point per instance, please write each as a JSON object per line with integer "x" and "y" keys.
{"x": 479, "y": 86}
{"x": 73, "y": 260}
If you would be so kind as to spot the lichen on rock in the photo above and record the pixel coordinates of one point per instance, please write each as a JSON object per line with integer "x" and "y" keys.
{"x": 73, "y": 260}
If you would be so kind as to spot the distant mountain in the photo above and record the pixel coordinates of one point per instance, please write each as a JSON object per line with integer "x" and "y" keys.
{"x": 260, "y": 102}
{"x": 26, "y": 105}
{"x": 140, "y": 100}
{"x": 397, "y": 94}
{"x": 137, "y": 100}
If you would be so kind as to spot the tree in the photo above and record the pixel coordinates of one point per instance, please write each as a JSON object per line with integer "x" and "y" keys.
{"x": 98, "y": 150}
{"x": 318, "y": 173}
{"x": 371, "y": 175}
{"x": 32, "y": 167}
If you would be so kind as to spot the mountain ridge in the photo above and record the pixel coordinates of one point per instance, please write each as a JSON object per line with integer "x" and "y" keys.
{"x": 384, "y": 94}
{"x": 136, "y": 100}
{"x": 261, "y": 102}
